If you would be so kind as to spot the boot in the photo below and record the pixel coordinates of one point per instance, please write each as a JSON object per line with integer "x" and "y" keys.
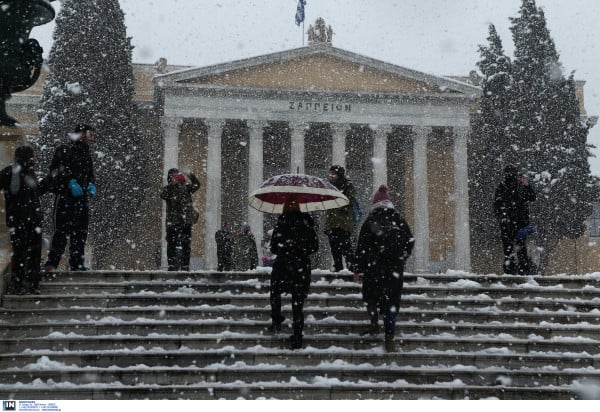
{"x": 373, "y": 329}
{"x": 276, "y": 325}
{"x": 390, "y": 344}
{"x": 296, "y": 342}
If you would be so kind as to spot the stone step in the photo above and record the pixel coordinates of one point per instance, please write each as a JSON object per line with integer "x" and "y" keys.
{"x": 193, "y": 298}
{"x": 327, "y": 390}
{"x": 262, "y": 313}
{"x": 282, "y": 373}
{"x": 450, "y": 279}
{"x": 318, "y": 287}
{"x": 73, "y": 341}
{"x": 312, "y": 326}
{"x": 40, "y": 359}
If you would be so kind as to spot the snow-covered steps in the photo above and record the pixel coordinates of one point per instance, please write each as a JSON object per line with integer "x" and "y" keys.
{"x": 202, "y": 335}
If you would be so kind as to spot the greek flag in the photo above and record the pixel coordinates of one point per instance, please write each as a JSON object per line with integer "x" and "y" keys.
{"x": 300, "y": 12}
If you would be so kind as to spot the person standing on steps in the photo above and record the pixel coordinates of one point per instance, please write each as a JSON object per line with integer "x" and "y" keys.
{"x": 22, "y": 193}
{"x": 338, "y": 222}
{"x": 294, "y": 240}
{"x": 180, "y": 217}
{"x": 384, "y": 244}
{"x": 511, "y": 207}
{"x": 224, "y": 240}
{"x": 73, "y": 182}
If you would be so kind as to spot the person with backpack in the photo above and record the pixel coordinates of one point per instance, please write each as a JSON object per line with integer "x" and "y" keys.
{"x": 181, "y": 216}
{"x": 73, "y": 182}
{"x": 339, "y": 222}
{"x": 384, "y": 244}
{"x": 22, "y": 193}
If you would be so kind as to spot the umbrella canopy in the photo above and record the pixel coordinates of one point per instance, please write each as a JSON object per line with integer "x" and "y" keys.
{"x": 311, "y": 192}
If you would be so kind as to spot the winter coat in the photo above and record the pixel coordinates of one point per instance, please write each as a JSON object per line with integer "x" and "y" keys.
{"x": 384, "y": 243}
{"x": 180, "y": 208}
{"x": 294, "y": 240}
{"x": 511, "y": 205}
{"x": 245, "y": 253}
{"x": 341, "y": 217}
{"x": 22, "y": 193}
{"x": 71, "y": 161}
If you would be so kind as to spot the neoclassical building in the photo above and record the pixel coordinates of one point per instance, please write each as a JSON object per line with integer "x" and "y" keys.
{"x": 302, "y": 110}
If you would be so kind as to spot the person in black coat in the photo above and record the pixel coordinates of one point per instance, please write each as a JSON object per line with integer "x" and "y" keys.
{"x": 384, "y": 243}
{"x": 73, "y": 182}
{"x": 511, "y": 207}
{"x": 294, "y": 240}
{"x": 22, "y": 193}
{"x": 224, "y": 240}
{"x": 180, "y": 217}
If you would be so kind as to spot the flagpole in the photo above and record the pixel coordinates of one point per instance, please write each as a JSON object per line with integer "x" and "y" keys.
{"x": 302, "y": 33}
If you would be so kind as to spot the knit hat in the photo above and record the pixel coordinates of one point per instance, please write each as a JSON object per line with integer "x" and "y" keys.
{"x": 338, "y": 170}
{"x": 381, "y": 194}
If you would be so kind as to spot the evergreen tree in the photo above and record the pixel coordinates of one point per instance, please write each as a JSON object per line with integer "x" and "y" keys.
{"x": 486, "y": 150}
{"x": 90, "y": 80}
{"x": 545, "y": 135}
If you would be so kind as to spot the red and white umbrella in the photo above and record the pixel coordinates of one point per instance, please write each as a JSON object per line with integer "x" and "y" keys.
{"x": 311, "y": 192}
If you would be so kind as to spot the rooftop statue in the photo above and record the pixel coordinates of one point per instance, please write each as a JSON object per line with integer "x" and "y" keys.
{"x": 20, "y": 57}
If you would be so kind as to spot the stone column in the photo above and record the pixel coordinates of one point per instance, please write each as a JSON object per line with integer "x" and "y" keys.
{"x": 380, "y": 156}
{"x": 421, "y": 198}
{"x": 338, "y": 154}
{"x": 255, "y": 178}
{"x": 213, "y": 190}
{"x": 170, "y": 127}
{"x": 297, "y": 155}
{"x": 462, "y": 241}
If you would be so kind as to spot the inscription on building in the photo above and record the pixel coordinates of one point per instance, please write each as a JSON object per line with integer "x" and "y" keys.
{"x": 320, "y": 107}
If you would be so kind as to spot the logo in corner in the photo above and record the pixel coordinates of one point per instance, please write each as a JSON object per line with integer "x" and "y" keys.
{"x": 9, "y": 405}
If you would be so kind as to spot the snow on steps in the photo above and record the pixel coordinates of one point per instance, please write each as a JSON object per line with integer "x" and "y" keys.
{"x": 202, "y": 335}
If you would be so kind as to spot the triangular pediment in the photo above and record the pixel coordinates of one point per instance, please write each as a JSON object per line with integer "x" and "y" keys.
{"x": 318, "y": 67}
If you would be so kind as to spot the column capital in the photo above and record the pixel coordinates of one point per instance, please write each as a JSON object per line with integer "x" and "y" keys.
{"x": 256, "y": 124}
{"x": 169, "y": 122}
{"x": 383, "y": 129}
{"x": 215, "y": 123}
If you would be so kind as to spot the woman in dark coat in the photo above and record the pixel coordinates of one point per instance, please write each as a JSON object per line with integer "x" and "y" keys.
{"x": 294, "y": 240}
{"x": 384, "y": 244}
{"x": 181, "y": 216}
{"x": 22, "y": 192}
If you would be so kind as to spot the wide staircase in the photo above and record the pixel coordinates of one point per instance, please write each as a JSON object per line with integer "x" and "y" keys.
{"x": 203, "y": 335}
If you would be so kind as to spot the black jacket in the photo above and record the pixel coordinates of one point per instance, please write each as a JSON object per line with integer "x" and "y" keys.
{"x": 294, "y": 240}
{"x": 22, "y": 192}
{"x": 511, "y": 205}
{"x": 180, "y": 209}
{"x": 71, "y": 161}
{"x": 384, "y": 243}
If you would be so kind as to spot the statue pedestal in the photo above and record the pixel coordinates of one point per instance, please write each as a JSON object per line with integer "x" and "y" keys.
{"x": 10, "y": 138}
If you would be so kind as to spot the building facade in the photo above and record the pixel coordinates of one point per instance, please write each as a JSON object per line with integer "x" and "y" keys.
{"x": 302, "y": 110}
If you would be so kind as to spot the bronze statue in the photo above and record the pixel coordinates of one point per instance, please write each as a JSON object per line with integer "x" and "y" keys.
{"x": 20, "y": 57}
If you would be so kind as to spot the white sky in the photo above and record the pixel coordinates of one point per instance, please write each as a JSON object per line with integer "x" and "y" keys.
{"x": 439, "y": 37}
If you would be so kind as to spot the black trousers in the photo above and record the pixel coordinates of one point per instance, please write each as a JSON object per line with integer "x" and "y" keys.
{"x": 179, "y": 244}
{"x": 341, "y": 247}
{"x": 71, "y": 220}
{"x": 26, "y": 255}
{"x": 514, "y": 263}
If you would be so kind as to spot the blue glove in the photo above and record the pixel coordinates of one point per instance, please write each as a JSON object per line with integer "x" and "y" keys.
{"x": 91, "y": 189}
{"x": 76, "y": 190}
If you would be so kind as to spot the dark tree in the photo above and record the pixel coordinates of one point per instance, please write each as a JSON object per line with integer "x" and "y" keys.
{"x": 90, "y": 81}
{"x": 544, "y": 133}
{"x": 486, "y": 154}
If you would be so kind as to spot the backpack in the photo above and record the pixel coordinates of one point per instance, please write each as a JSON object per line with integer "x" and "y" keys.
{"x": 356, "y": 212}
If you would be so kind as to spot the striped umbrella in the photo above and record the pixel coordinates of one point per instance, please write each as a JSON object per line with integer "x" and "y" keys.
{"x": 311, "y": 192}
